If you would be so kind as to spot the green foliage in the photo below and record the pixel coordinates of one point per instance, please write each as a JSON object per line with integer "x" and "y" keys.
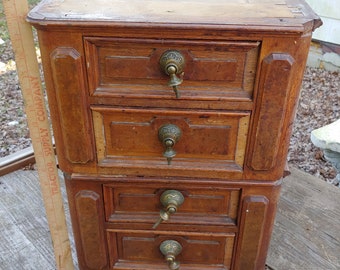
{"x": 3, "y": 26}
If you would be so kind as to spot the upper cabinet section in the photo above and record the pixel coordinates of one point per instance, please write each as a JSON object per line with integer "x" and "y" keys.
{"x": 292, "y": 15}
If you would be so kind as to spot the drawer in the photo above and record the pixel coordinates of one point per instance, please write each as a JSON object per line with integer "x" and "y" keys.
{"x": 122, "y": 67}
{"x": 141, "y": 250}
{"x": 131, "y": 204}
{"x": 208, "y": 141}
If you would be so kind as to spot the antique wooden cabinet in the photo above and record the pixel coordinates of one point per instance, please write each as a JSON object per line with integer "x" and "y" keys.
{"x": 172, "y": 122}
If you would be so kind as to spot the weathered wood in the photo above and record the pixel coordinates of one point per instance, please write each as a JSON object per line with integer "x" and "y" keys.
{"x": 17, "y": 161}
{"x": 25, "y": 240}
{"x": 251, "y": 52}
{"x": 254, "y": 12}
{"x": 37, "y": 120}
{"x": 306, "y": 231}
{"x": 307, "y": 228}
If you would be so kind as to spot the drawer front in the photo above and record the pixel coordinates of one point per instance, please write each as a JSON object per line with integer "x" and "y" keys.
{"x": 209, "y": 140}
{"x": 142, "y": 250}
{"x": 141, "y": 204}
{"x": 130, "y": 67}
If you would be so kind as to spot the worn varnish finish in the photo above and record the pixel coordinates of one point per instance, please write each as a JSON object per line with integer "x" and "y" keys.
{"x": 227, "y": 68}
{"x": 305, "y": 234}
{"x": 109, "y": 98}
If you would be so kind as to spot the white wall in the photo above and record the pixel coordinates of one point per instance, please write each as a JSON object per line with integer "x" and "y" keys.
{"x": 329, "y": 11}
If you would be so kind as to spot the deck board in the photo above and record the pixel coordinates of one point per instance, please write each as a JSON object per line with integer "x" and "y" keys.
{"x": 25, "y": 241}
{"x": 306, "y": 233}
{"x": 307, "y": 225}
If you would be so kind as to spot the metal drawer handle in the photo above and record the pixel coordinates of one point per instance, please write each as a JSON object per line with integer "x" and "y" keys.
{"x": 170, "y": 249}
{"x": 171, "y": 200}
{"x": 172, "y": 63}
{"x": 169, "y": 135}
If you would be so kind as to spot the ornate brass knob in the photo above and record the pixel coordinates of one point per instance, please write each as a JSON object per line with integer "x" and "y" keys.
{"x": 170, "y": 249}
{"x": 171, "y": 200}
{"x": 169, "y": 134}
{"x": 172, "y": 63}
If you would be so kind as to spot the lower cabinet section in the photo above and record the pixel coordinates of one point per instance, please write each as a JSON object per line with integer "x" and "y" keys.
{"x": 151, "y": 250}
{"x": 224, "y": 227}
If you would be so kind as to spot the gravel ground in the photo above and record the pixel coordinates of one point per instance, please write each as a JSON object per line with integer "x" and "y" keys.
{"x": 14, "y": 134}
{"x": 319, "y": 105}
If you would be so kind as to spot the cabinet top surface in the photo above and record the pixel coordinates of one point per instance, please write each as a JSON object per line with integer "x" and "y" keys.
{"x": 256, "y": 12}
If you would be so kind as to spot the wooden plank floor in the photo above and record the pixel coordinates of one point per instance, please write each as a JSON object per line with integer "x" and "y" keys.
{"x": 307, "y": 227}
{"x": 25, "y": 241}
{"x": 306, "y": 233}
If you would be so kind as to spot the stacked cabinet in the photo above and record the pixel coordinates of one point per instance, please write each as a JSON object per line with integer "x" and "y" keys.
{"x": 172, "y": 122}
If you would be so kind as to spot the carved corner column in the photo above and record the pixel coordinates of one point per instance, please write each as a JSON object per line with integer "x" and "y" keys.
{"x": 87, "y": 212}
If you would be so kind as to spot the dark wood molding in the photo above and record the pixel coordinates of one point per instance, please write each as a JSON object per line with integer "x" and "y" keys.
{"x": 17, "y": 161}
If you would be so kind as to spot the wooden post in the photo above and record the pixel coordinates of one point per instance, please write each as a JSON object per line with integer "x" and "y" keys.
{"x": 29, "y": 77}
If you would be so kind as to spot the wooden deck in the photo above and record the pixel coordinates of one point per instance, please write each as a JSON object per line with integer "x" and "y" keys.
{"x": 306, "y": 233}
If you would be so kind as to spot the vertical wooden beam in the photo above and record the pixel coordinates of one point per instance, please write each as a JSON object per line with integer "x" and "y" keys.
{"x": 29, "y": 77}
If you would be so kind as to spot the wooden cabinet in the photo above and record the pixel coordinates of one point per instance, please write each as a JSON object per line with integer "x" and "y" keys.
{"x": 172, "y": 122}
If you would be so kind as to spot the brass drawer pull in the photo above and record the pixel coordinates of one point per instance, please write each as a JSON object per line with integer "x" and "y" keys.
{"x": 170, "y": 249}
{"x": 172, "y": 63}
{"x": 171, "y": 200}
{"x": 169, "y": 134}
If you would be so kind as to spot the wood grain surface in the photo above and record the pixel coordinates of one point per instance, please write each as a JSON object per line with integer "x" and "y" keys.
{"x": 306, "y": 231}
{"x": 25, "y": 240}
{"x": 243, "y": 52}
{"x": 307, "y": 228}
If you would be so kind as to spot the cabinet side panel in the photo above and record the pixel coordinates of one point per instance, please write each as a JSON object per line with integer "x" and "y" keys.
{"x": 90, "y": 229}
{"x": 275, "y": 78}
{"x": 252, "y": 224}
{"x": 67, "y": 73}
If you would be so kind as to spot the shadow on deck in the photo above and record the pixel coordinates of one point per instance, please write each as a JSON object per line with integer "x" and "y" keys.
{"x": 306, "y": 233}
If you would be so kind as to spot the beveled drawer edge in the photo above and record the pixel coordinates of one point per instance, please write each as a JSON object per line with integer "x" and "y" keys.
{"x": 205, "y": 207}
{"x": 246, "y": 78}
{"x": 180, "y": 166}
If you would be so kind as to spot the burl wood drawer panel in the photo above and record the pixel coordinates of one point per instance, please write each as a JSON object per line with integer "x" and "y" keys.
{"x": 130, "y": 67}
{"x": 209, "y": 140}
{"x": 141, "y": 250}
{"x": 201, "y": 206}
